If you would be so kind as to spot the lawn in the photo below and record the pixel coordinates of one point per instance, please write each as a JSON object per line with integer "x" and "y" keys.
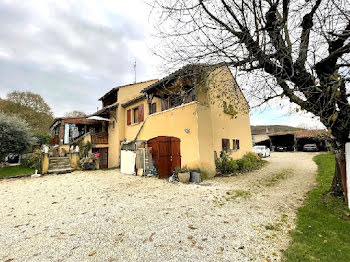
{"x": 15, "y": 171}
{"x": 323, "y": 223}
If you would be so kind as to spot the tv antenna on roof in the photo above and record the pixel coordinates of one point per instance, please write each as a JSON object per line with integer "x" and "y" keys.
{"x": 135, "y": 71}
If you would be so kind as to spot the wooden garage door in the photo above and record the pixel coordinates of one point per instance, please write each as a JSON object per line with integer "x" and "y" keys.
{"x": 166, "y": 154}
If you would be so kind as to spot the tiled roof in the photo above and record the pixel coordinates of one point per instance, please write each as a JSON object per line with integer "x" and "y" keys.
{"x": 187, "y": 70}
{"x": 73, "y": 120}
{"x": 105, "y": 109}
{"x": 301, "y": 133}
{"x": 118, "y": 87}
{"x": 134, "y": 100}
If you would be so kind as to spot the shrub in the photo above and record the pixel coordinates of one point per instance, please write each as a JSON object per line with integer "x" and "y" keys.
{"x": 15, "y": 136}
{"x": 227, "y": 165}
{"x": 34, "y": 161}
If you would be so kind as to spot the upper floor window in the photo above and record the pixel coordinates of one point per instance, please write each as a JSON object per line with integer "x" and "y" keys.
{"x": 152, "y": 108}
{"x": 135, "y": 115}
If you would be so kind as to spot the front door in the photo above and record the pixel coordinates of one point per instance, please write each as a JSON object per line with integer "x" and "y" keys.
{"x": 103, "y": 152}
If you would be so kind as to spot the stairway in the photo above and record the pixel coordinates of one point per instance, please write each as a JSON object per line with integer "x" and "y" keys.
{"x": 59, "y": 165}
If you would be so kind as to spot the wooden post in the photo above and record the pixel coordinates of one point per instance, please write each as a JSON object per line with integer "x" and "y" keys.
{"x": 347, "y": 174}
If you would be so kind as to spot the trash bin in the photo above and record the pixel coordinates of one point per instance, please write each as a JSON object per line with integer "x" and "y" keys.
{"x": 195, "y": 177}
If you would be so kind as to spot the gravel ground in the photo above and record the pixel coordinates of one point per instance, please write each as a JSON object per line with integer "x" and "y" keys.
{"x": 108, "y": 216}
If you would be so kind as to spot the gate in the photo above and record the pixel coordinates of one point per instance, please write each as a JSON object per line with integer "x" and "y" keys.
{"x": 166, "y": 154}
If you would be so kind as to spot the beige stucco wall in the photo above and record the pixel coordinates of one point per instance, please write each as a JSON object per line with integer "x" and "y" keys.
{"x": 205, "y": 141}
{"x": 117, "y": 134}
{"x": 220, "y": 89}
{"x": 173, "y": 122}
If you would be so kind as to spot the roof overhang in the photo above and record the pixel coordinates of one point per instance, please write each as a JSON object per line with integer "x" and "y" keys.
{"x": 98, "y": 118}
{"x": 134, "y": 100}
{"x": 105, "y": 110}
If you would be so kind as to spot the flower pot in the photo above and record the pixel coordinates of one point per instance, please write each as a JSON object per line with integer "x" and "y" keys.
{"x": 184, "y": 177}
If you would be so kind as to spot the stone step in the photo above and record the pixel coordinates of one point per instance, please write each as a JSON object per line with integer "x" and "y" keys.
{"x": 58, "y": 158}
{"x": 59, "y": 166}
{"x": 60, "y": 171}
{"x": 59, "y": 163}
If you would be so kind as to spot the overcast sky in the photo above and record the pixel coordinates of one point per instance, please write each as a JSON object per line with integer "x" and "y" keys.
{"x": 72, "y": 52}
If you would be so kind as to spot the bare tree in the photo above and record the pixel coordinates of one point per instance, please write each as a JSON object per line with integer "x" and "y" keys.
{"x": 31, "y": 100}
{"x": 75, "y": 113}
{"x": 295, "y": 50}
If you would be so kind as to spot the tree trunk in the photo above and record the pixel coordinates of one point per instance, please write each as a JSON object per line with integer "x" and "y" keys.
{"x": 338, "y": 188}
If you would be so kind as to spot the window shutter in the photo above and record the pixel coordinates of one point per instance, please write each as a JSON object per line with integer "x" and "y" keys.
{"x": 128, "y": 116}
{"x": 237, "y": 143}
{"x": 141, "y": 113}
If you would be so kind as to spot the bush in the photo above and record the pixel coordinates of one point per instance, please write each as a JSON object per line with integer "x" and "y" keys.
{"x": 227, "y": 165}
{"x": 34, "y": 161}
{"x": 15, "y": 136}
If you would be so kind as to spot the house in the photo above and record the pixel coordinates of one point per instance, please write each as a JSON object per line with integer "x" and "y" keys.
{"x": 189, "y": 117}
{"x": 67, "y": 130}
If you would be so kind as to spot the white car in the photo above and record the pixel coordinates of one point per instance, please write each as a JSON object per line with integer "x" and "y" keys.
{"x": 264, "y": 151}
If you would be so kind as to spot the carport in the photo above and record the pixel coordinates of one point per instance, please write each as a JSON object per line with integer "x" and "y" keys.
{"x": 285, "y": 139}
{"x": 295, "y": 140}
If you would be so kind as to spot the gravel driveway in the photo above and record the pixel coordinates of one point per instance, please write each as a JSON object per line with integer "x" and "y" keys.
{"x": 108, "y": 216}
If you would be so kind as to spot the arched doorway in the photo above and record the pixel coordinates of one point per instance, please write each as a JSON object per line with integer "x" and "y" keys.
{"x": 166, "y": 154}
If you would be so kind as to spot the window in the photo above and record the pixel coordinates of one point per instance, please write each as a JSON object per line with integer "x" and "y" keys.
{"x": 225, "y": 144}
{"x": 165, "y": 104}
{"x": 235, "y": 144}
{"x": 152, "y": 108}
{"x": 135, "y": 115}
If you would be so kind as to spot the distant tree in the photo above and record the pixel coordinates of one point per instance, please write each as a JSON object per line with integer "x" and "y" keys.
{"x": 15, "y": 135}
{"x": 31, "y": 100}
{"x": 75, "y": 113}
{"x": 296, "y": 50}
{"x": 38, "y": 123}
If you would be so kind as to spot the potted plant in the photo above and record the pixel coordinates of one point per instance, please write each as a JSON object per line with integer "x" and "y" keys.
{"x": 183, "y": 174}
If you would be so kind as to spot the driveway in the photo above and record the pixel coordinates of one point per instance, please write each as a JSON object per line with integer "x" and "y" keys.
{"x": 108, "y": 216}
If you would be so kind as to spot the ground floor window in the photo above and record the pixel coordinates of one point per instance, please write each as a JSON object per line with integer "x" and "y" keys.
{"x": 235, "y": 143}
{"x": 225, "y": 144}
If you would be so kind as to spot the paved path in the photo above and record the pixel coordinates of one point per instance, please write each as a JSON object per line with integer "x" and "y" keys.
{"x": 108, "y": 216}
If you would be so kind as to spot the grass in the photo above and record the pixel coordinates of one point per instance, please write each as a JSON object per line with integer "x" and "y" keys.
{"x": 237, "y": 194}
{"x": 12, "y": 171}
{"x": 271, "y": 181}
{"x": 323, "y": 223}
